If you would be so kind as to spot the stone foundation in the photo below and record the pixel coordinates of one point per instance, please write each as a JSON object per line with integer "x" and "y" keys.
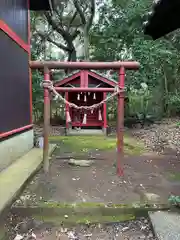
{"x": 15, "y": 147}
{"x": 53, "y": 131}
{"x": 104, "y": 131}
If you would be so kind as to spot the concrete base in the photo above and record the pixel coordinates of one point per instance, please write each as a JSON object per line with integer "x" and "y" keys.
{"x": 166, "y": 225}
{"x": 15, "y": 147}
{"x": 85, "y": 132}
{"x": 104, "y": 131}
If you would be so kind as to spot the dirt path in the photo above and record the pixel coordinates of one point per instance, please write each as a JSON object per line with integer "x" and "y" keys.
{"x": 147, "y": 173}
{"x": 99, "y": 182}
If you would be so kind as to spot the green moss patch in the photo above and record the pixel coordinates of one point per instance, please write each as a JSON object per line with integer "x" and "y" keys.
{"x": 88, "y": 143}
{"x": 94, "y": 205}
{"x": 86, "y": 213}
{"x": 174, "y": 176}
{"x": 72, "y": 220}
{"x": 71, "y": 205}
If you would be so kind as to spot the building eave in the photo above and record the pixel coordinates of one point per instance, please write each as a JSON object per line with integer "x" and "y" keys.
{"x": 164, "y": 18}
{"x": 41, "y": 5}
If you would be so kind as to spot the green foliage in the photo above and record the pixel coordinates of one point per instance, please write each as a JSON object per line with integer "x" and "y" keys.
{"x": 174, "y": 200}
{"x": 37, "y": 91}
{"x": 178, "y": 124}
{"x": 173, "y": 101}
{"x": 141, "y": 106}
{"x": 118, "y": 35}
{"x": 139, "y": 100}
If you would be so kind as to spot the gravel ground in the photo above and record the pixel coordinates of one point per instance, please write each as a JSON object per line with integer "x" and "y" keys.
{"x": 161, "y": 138}
{"x": 132, "y": 230}
{"x": 31, "y": 229}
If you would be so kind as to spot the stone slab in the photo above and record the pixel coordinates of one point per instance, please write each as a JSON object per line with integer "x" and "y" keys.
{"x": 166, "y": 225}
{"x": 80, "y": 162}
{"x": 13, "y": 178}
{"x": 73, "y": 132}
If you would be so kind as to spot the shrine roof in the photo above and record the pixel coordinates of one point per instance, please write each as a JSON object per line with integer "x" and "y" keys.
{"x": 105, "y": 76}
{"x": 163, "y": 18}
{"x": 95, "y": 74}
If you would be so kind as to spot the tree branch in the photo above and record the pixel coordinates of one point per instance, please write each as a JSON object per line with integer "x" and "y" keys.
{"x": 58, "y": 29}
{"x": 79, "y": 10}
{"x": 173, "y": 44}
{"x": 49, "y": 39}
{"x": 72, "y": 19}
{"x": 90, "y": 21}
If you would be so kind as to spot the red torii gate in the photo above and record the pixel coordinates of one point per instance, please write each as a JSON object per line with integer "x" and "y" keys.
{"x": 121, "y": 66}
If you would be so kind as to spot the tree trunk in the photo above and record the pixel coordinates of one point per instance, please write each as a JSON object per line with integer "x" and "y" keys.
{"x": 86, "y": 45}
{"x": 162, "y": 95}
{"x": 71, "y": 57}
{"x": 165, "y": 90}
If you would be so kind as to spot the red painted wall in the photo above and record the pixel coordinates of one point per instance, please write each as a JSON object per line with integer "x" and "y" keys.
{"x": 15, "y": 81}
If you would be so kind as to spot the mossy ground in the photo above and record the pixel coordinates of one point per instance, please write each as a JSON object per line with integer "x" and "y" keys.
{"x": 174, "y": 176}
{"x": 83, "y": 144}
{"x": 87, "y": 213}
{"x": 94, "y": 205}
{"x": 73, "y": 220}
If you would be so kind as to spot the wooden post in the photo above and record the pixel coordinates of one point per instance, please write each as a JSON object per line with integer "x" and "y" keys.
{"x": 46, "y": 123}
{"x": 120, "y": 122}
{"x": 105, "y": 113}
{"x": 67, "y": 110}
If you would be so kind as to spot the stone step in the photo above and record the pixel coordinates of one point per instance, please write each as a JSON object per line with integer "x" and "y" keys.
{"x": 85, "y": 132}
{"x": 13, "y": 178}
{"x": 166, "y": 225}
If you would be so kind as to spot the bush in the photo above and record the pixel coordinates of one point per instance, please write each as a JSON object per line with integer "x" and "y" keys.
{"x": 139, "y": 108}
{"x": 142, "y": 106}
{"x": 173, "y": 104}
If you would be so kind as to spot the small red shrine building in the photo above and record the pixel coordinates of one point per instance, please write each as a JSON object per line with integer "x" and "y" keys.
{"x": 95, "y": 118}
